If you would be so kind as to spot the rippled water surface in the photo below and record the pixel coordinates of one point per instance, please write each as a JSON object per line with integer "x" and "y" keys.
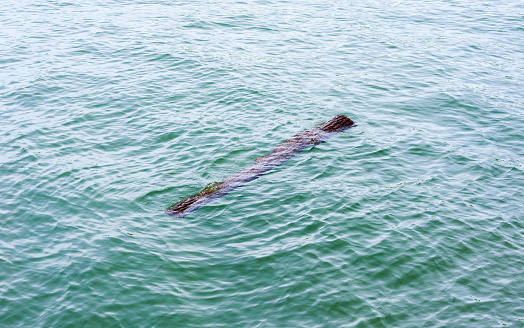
{"x": 111, "y": 111}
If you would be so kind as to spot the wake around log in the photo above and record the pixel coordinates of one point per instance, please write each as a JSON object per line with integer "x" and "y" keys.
{"x": 279, "y": 155}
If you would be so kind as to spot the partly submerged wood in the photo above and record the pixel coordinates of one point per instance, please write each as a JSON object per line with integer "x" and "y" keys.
{"x": 279, "y": 155}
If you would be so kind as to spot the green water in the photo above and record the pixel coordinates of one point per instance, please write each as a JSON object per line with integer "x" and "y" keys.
{"x": 110, "y": 111}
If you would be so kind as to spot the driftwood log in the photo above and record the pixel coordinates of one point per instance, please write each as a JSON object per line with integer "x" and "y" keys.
{"x": 279, "y": 155}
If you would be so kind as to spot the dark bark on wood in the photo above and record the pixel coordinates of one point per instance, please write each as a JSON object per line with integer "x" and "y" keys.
{"x": 279, "y": 155}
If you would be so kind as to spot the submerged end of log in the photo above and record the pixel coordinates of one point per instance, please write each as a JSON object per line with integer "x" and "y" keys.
{"x": 179, "y": 209}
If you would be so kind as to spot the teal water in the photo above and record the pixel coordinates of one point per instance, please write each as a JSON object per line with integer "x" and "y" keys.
{"x": 110, "y": 111}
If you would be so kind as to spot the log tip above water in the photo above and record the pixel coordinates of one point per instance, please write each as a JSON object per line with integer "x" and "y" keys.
{"x": 337, "y": 124}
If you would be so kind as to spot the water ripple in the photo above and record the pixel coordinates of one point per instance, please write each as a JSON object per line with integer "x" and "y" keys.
{"x": 111, "y": 112}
